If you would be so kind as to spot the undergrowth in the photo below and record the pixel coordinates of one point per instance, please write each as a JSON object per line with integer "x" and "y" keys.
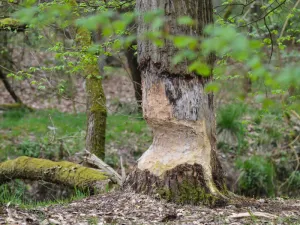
{"x": 257, "y": 142}
{"x": 19, "y": 193}
{"x": 57, "y": 136}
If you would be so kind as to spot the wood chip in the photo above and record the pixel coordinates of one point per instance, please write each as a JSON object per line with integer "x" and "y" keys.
{"x": 254, "y": 214}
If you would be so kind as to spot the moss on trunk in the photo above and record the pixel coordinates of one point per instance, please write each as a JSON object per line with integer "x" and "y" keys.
{"x": 96, "y": 102}
{"x": 184, "y": 184}
{"x": 95, "y": 137}
{"x": 64, "y": 173}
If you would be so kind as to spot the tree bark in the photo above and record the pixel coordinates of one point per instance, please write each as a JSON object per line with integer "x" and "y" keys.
{"x": 64, "y": 173}
{"x": 96, "y": 113}
{"x": 6, "y": 61}
{"x": 181, "y": 165}
{"x": 9, "y": 88}
{"x": 96, "y": 101}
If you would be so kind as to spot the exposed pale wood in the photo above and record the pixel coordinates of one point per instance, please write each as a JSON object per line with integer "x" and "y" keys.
{"x": 95, "y": 161}
{"x": 252, "y": 214}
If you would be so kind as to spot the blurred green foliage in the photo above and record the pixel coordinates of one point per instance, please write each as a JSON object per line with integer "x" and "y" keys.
{"x": 257, "y": 177}
{"x": 257, "y": 42}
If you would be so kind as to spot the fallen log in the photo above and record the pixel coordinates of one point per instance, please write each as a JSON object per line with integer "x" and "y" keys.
{"x": 14, "y": 106}
{"x": 10, "y": 24}
{"x": 63, "y": 173}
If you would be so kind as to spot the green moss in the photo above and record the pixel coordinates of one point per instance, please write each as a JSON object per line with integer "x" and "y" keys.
{"x": 95, "y": 141}
{"x": 64, "y": 172}
{"x": 96, "y": 117}
{"x": 189, "y": 194}
{"x": 96, "y": 94}
{"x": 9, "y": 22}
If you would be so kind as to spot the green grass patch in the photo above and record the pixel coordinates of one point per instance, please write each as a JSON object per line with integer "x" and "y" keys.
{"x": 42, "y": 133}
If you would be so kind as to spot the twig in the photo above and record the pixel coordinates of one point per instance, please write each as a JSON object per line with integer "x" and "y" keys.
{"x": 122, "y": 170}
{"x": 264, "y": 16}
{"x": 295, "y": 114}
{"x": 272, "y": 43}
{"x": 287, "y": 19}
{"x": 94, "y": 160}
{"x": 257, "y": 214}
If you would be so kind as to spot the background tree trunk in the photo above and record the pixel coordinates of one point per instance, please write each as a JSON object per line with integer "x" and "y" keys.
{"x": 181, "y": 165}
{"x": 135, "y": 74}
{"x": 96, "y": 101}
{"x": 6, "y": 63}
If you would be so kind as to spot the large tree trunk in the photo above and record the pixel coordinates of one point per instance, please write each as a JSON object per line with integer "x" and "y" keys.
{"x": 181, "y": 165}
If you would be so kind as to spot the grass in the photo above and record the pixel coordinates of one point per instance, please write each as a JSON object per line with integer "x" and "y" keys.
{"x": 230, "y": 128}
{"x": 24, "y": 133}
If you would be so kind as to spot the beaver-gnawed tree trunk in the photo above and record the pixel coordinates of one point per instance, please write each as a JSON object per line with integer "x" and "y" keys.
{"x": 181, "y": 165}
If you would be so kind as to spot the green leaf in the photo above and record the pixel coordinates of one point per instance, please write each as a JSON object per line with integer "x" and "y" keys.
{"x": 200, "y": 68}
{"x": 185, "y": 41}
{"x": 212, "y": 87}
{"x": 185, "y": 20}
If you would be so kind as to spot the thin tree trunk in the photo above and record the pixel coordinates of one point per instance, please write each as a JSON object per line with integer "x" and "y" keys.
{"x": 9, "y": 88}
{"x": 96, "y": 101}
{"x": 135, "y": 74}
{"x": 181, "y": 165}
{"x": 6, "y": 62}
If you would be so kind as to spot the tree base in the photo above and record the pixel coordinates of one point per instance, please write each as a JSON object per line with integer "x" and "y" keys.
{"x": 185, "y": 184}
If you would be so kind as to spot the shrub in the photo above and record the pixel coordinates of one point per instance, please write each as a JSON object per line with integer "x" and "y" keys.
{"x": 230, "y": 128}
{"x": 257, "y": 177}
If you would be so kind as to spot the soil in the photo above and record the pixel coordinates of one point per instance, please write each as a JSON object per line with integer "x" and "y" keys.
{"x": 129, "y": 208}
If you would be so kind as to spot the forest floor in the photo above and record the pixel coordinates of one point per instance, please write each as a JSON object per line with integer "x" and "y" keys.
{"x": 128, "y": 208}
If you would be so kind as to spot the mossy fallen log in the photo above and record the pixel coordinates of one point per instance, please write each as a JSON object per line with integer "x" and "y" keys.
{"x": 12, "y": 25}
{"x": 63, "y": 173}
{"x": 15, "y": 106}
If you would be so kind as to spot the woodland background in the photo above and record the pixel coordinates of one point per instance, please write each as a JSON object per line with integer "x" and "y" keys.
{"x": 258, "y": 121}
